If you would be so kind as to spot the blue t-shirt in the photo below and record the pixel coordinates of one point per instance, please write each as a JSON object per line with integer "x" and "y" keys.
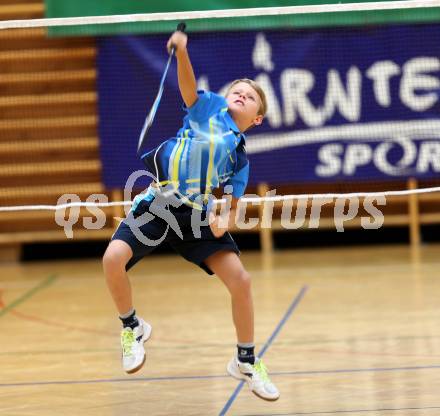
{"x": 207, "y": 152}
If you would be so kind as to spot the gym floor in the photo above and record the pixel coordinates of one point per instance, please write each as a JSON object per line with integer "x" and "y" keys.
{"x": 344, "y": 331}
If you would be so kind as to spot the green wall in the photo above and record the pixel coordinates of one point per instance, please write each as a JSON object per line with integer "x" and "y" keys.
{"x": 57, "y": 8}
{"x": 73, "y": 8}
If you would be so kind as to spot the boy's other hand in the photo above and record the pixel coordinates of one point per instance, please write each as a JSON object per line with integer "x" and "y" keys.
{"x": 214, "y": 225}
{"x": 178, "y": 40}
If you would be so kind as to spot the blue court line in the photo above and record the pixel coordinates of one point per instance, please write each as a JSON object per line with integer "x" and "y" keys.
{"x": 110, "y": 380}
{"x": 359, "y": 370}
{"x": 286, "y": 316}
{"x": 333, "y": 412}
{"x": 207, "y": 377}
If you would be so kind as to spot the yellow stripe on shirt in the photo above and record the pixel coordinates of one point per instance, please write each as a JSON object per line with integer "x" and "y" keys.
{"x": 176, "y": 161}
{"x": 211, "y": 159}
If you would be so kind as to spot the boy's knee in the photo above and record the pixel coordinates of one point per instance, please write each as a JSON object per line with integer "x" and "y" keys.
{"x": 114, "y": 258}
{"x": 243, "y": 280}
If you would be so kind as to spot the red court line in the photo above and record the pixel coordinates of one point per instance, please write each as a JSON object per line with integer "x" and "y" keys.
{"x": 44, "y": 321}
{"x": 52, "y": 323}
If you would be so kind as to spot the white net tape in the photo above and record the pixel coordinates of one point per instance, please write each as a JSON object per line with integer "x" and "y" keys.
{"x": 275, "y": 198}
{"x": 248, "y": 12}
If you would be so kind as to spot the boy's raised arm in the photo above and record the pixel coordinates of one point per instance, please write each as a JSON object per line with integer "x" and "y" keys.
{"x": 185, "y": 73}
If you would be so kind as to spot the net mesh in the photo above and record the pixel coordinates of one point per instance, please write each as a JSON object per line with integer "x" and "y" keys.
{"x": 350, "y": 109}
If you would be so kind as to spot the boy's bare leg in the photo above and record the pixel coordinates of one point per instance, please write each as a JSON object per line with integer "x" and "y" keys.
{"x": 136, "y": 331}
{"x": 228, "y": 267}
{"x": 115, "y": 258}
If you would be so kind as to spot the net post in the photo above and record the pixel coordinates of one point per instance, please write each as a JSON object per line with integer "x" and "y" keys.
{"x": 118, "y": 210}
{"x": 414, "y": 217}
{"x": 266, "y": 238}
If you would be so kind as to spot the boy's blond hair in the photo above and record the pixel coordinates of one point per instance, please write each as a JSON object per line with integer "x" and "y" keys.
{"x": 263, "y": 107}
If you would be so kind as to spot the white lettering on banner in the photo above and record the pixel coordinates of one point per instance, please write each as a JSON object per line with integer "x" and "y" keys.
{"x": 329, "y": 155}
{"x": 297, "y": 85}
{"x": 414, "y": 78}
{"x": 429, "y": 157}
{"x": 348, "y": 102}
{"x": 409, "y": 151}
{"x": 347, "y": 157}
{"x": 349, "y": 147}
{"x": 381, "y": 72}
{"x": 356, "y": 155}
{"x": 262, "y": 54}
{"x": 334, "y": 159}
{"x": 418, "y": 88}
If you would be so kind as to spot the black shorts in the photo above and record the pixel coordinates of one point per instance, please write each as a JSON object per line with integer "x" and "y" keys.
{"x": 144, "y": 238}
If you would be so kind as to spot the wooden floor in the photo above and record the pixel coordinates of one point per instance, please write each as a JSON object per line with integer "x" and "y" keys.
{"x": 362, "y": 336}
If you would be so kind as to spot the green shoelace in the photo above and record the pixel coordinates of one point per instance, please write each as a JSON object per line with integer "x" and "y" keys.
{"x": 261, "y": 369}
{"x": 127, "y": 341}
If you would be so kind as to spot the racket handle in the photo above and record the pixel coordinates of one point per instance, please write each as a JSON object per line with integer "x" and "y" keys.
{"x": 180, "y": 28}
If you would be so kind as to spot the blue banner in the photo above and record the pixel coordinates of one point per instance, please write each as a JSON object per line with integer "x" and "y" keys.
{"x": 348, "y": 104}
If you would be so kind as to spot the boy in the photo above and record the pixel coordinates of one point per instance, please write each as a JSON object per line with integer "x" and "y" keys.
{"x": 207, "y": 152}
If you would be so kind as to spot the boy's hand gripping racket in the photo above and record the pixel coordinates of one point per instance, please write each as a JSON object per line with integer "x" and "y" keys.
{"x": 149, "y": 120}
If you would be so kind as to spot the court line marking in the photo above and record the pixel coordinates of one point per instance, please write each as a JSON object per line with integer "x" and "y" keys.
{"x": 42, "y": 285}
{"x": 278, "y": 328}
{"x": 333, "y": 412}
{"x": 48, "y": 322}
{"x": 219, "y": 376}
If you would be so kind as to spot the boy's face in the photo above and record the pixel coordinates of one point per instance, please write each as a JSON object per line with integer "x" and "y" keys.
{"x": 243, "y": 104}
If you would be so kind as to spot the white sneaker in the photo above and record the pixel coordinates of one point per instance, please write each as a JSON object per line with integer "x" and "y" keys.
{"x": 132, "y": 342}
{"x": 256, "y": 377}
